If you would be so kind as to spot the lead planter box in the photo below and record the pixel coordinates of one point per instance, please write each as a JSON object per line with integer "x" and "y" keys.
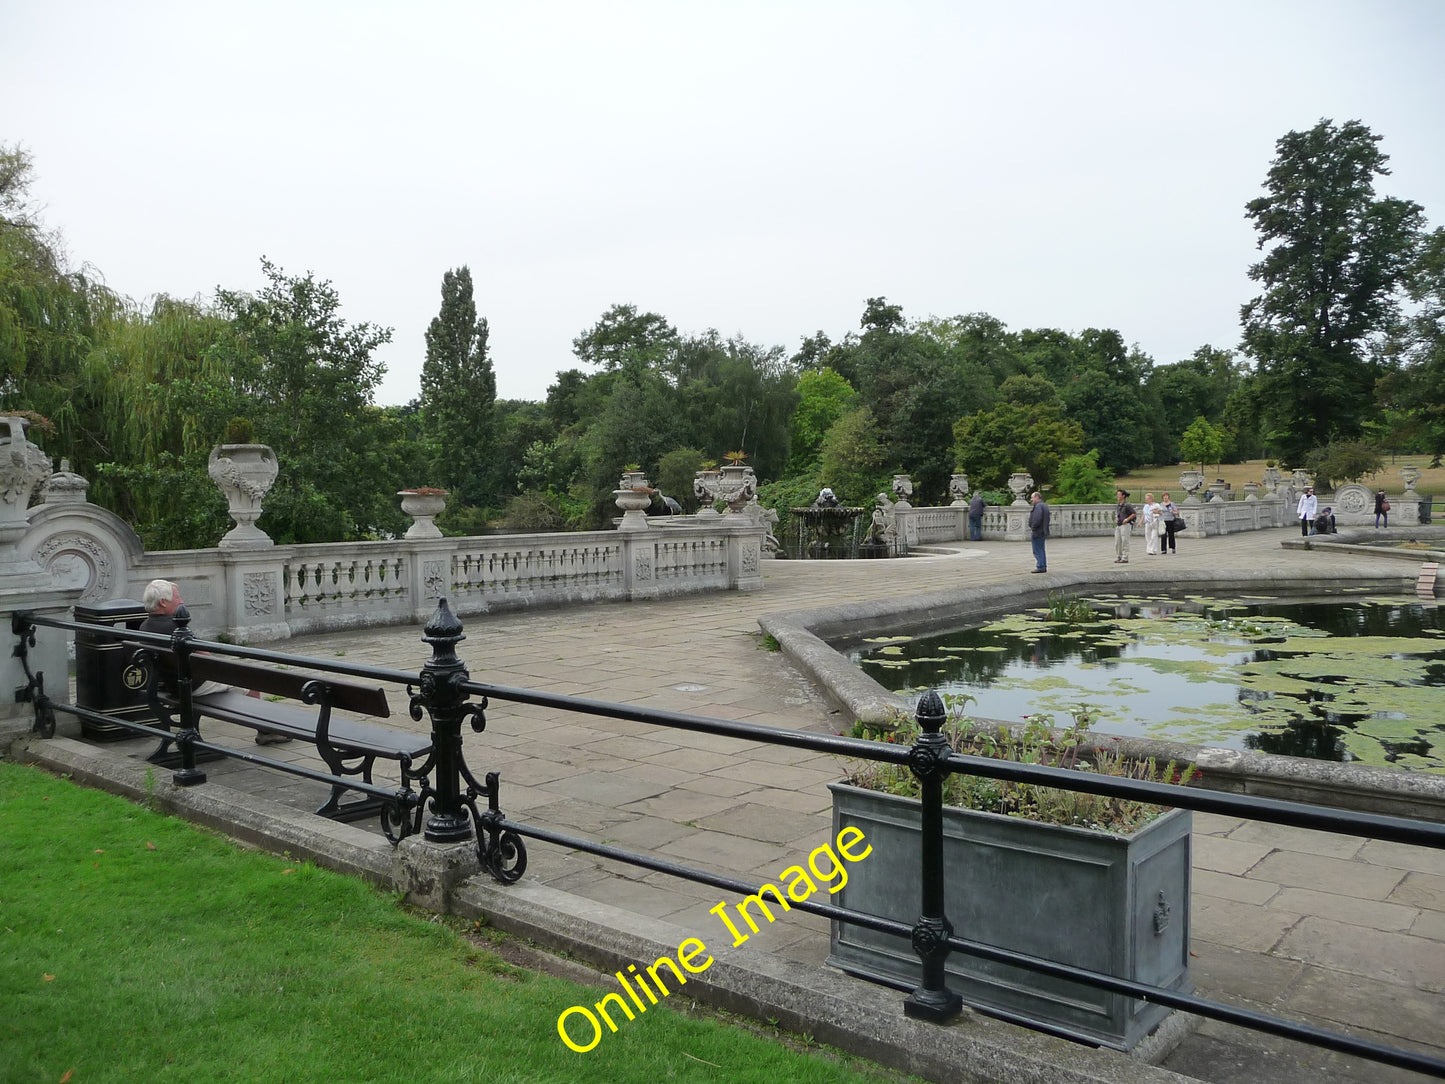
{"x": 1113, "y": 904}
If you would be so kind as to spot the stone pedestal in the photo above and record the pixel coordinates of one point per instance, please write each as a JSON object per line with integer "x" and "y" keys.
{"x": 255, "y": 596}
{"x": 428, "y": 873}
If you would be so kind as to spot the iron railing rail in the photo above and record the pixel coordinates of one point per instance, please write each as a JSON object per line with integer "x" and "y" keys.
{"x": 444, "y": 690}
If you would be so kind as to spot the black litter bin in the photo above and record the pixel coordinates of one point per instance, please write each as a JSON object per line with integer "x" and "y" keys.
{"x": 106, "y": 680}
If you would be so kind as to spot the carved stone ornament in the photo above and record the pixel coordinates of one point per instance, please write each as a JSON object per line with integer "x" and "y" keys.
{"x": 750, "y": 560}
{"x": 22, "y": 467}
{"x": 64, "y": 486}
{"x": 642, "y": 567}
{"x": 259, "y": 592}
{"x": 245, "y": 474}
{"x": 1354, "y": 499}
{"x": 434, "y": 578}
{"x": 78, "y": 560}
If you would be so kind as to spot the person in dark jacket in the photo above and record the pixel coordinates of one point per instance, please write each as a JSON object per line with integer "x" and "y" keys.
{"x": 1038, "y": 531}
{"x": 1382, "y": 508}
{"x": 975, "y": 518}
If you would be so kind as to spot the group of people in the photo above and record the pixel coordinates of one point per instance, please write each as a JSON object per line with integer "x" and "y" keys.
{"x": 1162, "y": 522}
{"x": 1316, "y": 520}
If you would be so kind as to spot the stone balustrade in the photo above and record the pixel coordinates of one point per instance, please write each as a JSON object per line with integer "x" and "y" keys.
{"x": 254, "y": 591}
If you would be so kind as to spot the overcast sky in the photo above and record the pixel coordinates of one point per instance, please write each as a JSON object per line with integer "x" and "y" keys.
{"x": 758, "y": 168}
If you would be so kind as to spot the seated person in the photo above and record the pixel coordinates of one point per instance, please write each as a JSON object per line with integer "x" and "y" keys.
{"x": 1325, "y": 522}
{"x": 161, "y": 600}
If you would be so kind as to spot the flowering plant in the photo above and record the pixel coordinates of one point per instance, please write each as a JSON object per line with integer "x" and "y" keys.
{"x": 1038, "y": 741}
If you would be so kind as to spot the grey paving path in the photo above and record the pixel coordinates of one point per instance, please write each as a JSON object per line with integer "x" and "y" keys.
{"x": 1344, "y": 932}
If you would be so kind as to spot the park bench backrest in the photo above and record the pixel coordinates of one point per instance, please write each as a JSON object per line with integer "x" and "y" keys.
{"x": 344, "y": 695}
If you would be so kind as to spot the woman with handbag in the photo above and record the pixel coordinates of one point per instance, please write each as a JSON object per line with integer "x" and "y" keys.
{"x": 1382, "y": 508}
{"x": 1172, "y": 524}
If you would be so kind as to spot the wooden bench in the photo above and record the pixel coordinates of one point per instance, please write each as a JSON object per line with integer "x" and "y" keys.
{"x": 349, "y": 748}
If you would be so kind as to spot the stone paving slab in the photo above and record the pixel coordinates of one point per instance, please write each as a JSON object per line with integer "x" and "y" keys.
{"x": 1327, "y": 874}
{"x": 1406, "y": 961}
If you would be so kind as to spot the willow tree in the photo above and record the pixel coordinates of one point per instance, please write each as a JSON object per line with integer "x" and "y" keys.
{"x": 165, "y": 402}
{"x": 51, "y": 321}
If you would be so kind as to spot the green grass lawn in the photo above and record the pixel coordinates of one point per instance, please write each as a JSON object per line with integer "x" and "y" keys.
{"x": 1137, "y": 482}
{"x": 137, "y": 948}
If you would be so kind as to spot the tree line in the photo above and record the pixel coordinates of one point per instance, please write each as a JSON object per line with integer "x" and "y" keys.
{"x": 1342, "y": 357}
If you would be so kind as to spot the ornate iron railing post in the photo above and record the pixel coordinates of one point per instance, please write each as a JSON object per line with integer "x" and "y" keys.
{"x": 442, "y": 678}
{"x": 188, "y": 775}
{"x": 932, "y": 1000}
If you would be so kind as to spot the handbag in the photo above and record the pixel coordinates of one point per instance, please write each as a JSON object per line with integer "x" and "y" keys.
{"x": 1385, "y": 506}
{"x": 1179, "y": 524}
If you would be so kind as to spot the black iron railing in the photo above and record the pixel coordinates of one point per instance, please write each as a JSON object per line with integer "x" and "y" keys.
{"x": 443, "y": 690}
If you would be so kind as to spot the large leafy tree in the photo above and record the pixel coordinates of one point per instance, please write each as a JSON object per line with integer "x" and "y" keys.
{"x": 1334, "y": 257}
{"x": 458, "y": 395}
{"x": 823, "y": 398}
{"x": 308, "y": 378}
{"x": 1026, "y": 429}
{"x": 623, "y": 333}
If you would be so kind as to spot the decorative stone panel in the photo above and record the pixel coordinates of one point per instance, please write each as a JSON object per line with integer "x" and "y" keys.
{"x": 258, "y": 590}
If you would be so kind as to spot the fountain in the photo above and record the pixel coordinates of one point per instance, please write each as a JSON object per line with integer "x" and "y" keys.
{"x": 825, "y": 528}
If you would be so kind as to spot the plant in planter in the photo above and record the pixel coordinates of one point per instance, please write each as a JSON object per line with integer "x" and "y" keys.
{"x": 1090, "y": 881}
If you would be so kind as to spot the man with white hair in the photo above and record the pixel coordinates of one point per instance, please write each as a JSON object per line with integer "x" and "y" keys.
{"x": 161, "y": 599}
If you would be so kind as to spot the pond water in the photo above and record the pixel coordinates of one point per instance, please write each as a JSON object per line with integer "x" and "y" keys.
{"x": 1344, "y": 678}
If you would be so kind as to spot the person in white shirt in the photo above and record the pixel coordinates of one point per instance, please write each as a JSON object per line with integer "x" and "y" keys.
{"x": 1152, "y": 524}
{"x": 1307, "y": 509}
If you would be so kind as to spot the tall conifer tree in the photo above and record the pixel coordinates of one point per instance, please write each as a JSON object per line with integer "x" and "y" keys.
{"x": 458, "y": 395}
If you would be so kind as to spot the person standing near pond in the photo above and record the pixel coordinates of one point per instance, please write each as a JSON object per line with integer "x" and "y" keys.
{"x": 1382, "y": 508}
{"x": 975, "y": 518}
{"x": 1124, "y": 517}
{"x": 1170, "y": 516}
{"x": 1306, "y": 510}
{"x": 1038, "y": 531}
{"x": 1152, "y": 524}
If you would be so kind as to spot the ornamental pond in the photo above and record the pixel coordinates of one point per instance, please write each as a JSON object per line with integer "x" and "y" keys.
{"x": 1345, "y": 678}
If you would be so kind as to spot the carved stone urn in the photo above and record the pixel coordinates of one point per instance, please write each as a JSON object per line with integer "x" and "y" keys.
{"x": 245, "y": 474}
{"x": 1190, "y": 481}
{"x": 423, "y": 506}
{"x": 735, "y": 483}
{"x": 1271, "y": 480}
{"x": 705, "y": 486}
{"x": 958, "y": 489}
{"x": 902, "y": 489}
{"x": 1020, "y": 482}
{"x": 23, "y": 466}
{"x": 1410, "y": 475}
